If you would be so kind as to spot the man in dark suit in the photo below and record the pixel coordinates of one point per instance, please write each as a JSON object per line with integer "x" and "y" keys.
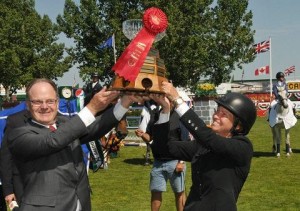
{"x": 47, "y": 151}
{"x": 12, "y": 185}
{"x": 97, "y": 158}
{"x": 92, "y": 88}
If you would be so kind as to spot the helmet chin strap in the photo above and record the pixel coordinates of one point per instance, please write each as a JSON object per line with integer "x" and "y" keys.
{"x": 233, "y": 130}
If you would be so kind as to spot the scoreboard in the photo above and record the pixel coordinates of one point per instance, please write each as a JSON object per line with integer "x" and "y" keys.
{"x": 293, "y": 86}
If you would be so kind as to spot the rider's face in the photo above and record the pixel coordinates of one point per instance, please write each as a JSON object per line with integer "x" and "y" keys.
{"x": 281, "y": 79}
{"x": 222, "y": 121}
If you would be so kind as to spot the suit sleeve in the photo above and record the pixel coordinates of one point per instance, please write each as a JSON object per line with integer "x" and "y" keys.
{"x": 103, "y": 124}
{"x": 238, "y": 148}
{"x": 6, "y": 168}
{"x": 180, "y": 150}
{"x": 183, "y": 150}
{"x": 30, "y": 142}
{"x": 6, "y": 161}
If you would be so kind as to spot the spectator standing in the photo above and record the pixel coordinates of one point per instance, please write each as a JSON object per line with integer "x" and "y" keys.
{"x": 165, "y": 167}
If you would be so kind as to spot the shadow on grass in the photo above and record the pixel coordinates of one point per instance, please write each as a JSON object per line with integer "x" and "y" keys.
{"x": 296, "y": 150}
{"x": 136, "y": 161}
{"x": 263, "y": 154}
{"x": 271, "y": 154}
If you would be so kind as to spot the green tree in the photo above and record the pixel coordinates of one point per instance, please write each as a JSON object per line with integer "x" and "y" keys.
{"x": 28, "y": 46}
{"x": 90, "y": 24}
{"x": 205, "y": 38}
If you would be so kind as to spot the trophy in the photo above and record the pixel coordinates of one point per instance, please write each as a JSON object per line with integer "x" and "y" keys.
{"x": 151, "y": 71}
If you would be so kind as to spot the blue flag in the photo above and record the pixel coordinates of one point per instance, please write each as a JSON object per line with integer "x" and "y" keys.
{"x": 7, "y": 112}
{"x": 108, "y": 43}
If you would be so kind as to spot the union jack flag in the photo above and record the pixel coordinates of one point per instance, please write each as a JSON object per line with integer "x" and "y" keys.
{"x": 289, "y": 70}
{"x": 262, "y": 47}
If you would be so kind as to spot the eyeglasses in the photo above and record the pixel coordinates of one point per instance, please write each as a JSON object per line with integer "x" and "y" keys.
{"x": 49, "y": 102}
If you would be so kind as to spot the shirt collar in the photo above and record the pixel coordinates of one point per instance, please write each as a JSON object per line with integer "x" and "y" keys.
{"x": 46, "y": 126}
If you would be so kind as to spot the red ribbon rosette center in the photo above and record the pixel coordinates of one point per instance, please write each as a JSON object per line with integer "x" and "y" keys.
{"x": 130, "y": 62}
{"x": 155, "y": 20}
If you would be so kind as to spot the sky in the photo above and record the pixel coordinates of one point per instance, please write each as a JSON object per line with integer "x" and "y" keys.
{"x": 278, "y": 20}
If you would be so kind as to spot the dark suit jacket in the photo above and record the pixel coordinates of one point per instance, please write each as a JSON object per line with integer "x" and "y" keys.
{"x": 9, "y": 173}
{"x": 51, "y": 163}
{"x": 171, "y": 132}
{"x": 220, "y": 165}
{"x": 90, "y": 91}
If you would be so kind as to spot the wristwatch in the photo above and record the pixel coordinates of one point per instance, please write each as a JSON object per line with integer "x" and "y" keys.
{"x": 178, "y": 101}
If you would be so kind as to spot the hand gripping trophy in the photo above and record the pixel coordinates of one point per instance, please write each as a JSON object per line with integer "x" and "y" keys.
{"x": 140, "y": 68}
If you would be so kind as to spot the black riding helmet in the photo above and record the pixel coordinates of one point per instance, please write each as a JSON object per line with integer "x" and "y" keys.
{"x": 242, "y": 108}
{"x": 95, "y": 75}
{"x": 279, "y": 75}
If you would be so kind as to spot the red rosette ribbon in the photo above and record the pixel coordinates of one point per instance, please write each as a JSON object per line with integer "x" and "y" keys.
{"x": 130, "y": 62}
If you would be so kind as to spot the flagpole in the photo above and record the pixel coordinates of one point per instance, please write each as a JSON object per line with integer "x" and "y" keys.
{"x": 271, "y": 84}
{"x": 74, "y": 82}
{"x": 243, "y": 76}
{"x": 114, "y": 47}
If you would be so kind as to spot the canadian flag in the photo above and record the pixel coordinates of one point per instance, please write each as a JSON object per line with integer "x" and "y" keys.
{"x": 262, "y": 70}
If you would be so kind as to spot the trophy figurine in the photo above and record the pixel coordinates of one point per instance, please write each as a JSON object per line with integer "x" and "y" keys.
{"x": 140, "y": 68}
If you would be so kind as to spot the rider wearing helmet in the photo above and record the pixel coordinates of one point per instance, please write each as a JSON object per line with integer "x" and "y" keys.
{"x": 279, "y": 83}
{"x": 221, "y": 153}
{"x": 243, "y": 110}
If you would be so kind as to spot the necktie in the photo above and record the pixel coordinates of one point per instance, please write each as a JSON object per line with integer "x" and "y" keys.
{"x": 52, "y": 128}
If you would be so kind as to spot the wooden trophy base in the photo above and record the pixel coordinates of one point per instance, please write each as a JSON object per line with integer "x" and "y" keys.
{"x": 149, "y": 79}
{"x": 144, "y": 84}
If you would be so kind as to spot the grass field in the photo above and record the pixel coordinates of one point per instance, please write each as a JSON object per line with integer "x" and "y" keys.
{"x": 273, "y": 183}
